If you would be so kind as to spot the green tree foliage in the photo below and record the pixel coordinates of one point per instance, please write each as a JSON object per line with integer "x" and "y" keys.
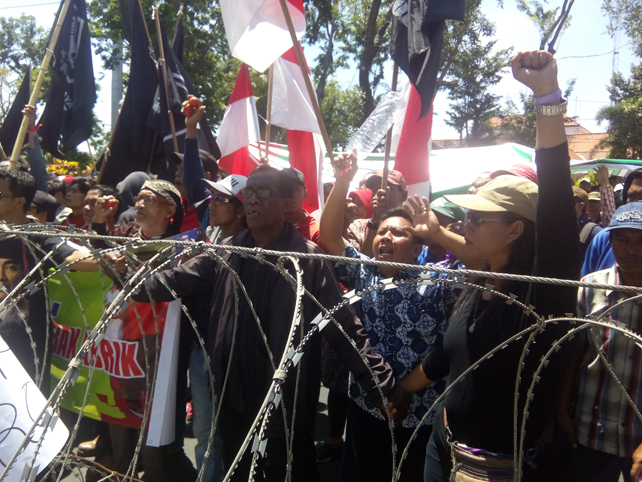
{"x": 208, "y": 61}
{"x": 368, "y": 40}
{"x": 624, "y": 116}
{"x": 341, "y": 110}
{"x": 326, "y": 28}
{"x": 473, "y": 71}
{"x": 626, "y": 15}
{"x": 518, "y": 124}
{"x": 22, "y": 43}
{"x": 550, "y": 22}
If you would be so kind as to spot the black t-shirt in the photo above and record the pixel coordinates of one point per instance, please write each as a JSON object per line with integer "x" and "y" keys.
{"x": 480, "y": 407}
{"x": 34, "y": 306}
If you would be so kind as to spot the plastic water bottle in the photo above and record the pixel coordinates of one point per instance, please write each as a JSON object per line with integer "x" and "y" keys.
{"x": 376, "y": 125}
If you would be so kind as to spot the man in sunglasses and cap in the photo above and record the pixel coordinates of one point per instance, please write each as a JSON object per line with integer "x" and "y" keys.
{"x": 242, "y": 356}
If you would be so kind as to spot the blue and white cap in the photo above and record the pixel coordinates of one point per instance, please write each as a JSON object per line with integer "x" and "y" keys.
{"x": 627, "y": 216}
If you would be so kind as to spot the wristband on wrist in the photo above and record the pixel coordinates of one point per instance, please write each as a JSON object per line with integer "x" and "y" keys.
{"x": 550, "y": 98}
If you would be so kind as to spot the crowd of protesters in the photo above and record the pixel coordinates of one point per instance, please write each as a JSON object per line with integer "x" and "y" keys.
{"x": 407, "y": 343}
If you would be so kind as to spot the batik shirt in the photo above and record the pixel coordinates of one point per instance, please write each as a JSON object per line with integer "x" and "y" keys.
{"x": 403, "y": 324}
{"x": 605, "y": 420}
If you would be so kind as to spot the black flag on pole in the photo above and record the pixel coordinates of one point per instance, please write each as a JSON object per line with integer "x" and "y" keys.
{"x": 11, "y": 125}
{"x": 417, "y": 37}
{"x": 178, "y": 44}
{"x": 68, "y": 115}
{"x": 178, "y": 86}
{"x": 132, "y": 140}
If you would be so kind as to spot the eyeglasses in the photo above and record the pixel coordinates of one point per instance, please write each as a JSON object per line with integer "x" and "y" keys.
{"x": 219, "y": 199}
{"x": 261, "y": 193}
{"x": 476, "y": 219}
{"x": 149, "y": 200}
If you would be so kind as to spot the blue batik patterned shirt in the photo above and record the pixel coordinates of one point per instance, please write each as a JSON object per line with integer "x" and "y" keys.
{"x": 403, "y": 325}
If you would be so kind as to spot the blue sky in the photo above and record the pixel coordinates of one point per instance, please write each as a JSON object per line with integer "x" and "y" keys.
{"x": 584, "y": 53}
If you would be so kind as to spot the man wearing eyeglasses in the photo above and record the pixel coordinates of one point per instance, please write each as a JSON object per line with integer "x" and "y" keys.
{"x": 237, "y": 346}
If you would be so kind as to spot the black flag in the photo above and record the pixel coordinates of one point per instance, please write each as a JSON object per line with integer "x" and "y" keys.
{"x": 132, "y": 141}
{"x": 68, "y": 114}
{"x": 178, "y": 86}
{"x": 417, "y": 37}
{"x": 178, "y": 44}
{"x": 11, "y": 125}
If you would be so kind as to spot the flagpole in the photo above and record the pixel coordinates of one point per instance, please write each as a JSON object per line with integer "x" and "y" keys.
{"x": 179, "y": 15}
{"x": 306, "y": 78}
{"x": 151, "y": 156}
{"x": 36, "y": 88}
{"x": 268, "y": 122}
{"x": 386, "y": 155}
{"x": 164, "y": 69}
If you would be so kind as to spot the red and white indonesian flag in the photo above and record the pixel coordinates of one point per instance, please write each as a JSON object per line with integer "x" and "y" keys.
{"x": 240, "y": 128}
{"x": 256, "y": 29}
{"x": 292, "y": 110}
{"x": 413, "y": 152}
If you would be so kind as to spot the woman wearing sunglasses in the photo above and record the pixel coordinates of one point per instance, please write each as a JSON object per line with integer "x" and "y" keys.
{"x": 510, "y": 228}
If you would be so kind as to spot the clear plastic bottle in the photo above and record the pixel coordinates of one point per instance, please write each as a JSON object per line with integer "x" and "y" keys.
{"x": 376, "y": 125}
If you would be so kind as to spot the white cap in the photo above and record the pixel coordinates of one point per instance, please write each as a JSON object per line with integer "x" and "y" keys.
{"x": 232, "y": 185}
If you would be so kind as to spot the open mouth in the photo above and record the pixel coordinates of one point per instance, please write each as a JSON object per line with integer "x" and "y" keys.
{"x": 251, "y": 214}
{"x": 385, "y": 251}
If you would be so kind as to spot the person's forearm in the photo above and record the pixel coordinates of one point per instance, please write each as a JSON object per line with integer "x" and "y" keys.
{"x": 415, "y": 380}
{"x": 608, "y": 204}
{"x": 38, "y": 164}
{"x": 550, "y": 131}
{"x": 456, "y": 244}
{"x": 334, "y": 210}
{"x": 193, "y": 172}
{"x": 84, "y": 261}
{"x": 367, "y": 242}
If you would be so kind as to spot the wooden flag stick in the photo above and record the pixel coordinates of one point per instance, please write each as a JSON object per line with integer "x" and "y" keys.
{"x": 17, "y": 147}
{"x": 386, "y": 156}
{"x": 179, "y": 15}
{"x": 306, "y": 78}
{"x": 164, "y": 71}
{"x": 268, "y": 122}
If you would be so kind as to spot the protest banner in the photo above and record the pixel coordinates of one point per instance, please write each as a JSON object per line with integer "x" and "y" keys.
{"x": 118, "y": 385}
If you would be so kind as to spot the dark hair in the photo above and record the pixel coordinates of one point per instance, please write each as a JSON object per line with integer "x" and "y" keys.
{"x": 521, "y": 261}
{"x": 210, "y": 165}
{"x": 522, "y": 256}
{"x": 397, "y": 213}
{"x": 106, "y": 190}
{"x": 56, "y": 186}
{"x": 637, "y": 174}
{"x": 21, "y": 184}
{"x": 400, "y": 213}
{"x": 84, "y": 183}
{"x": 284, "y": 183}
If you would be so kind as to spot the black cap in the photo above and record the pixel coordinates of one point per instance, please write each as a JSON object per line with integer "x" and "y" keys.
{"x": 45, "y": 202}
{"x": 208, "y": 160}
{"x": 295, "y": 174}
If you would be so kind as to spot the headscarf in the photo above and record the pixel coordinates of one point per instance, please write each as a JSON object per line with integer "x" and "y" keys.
{"x": 365, "y": 195}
